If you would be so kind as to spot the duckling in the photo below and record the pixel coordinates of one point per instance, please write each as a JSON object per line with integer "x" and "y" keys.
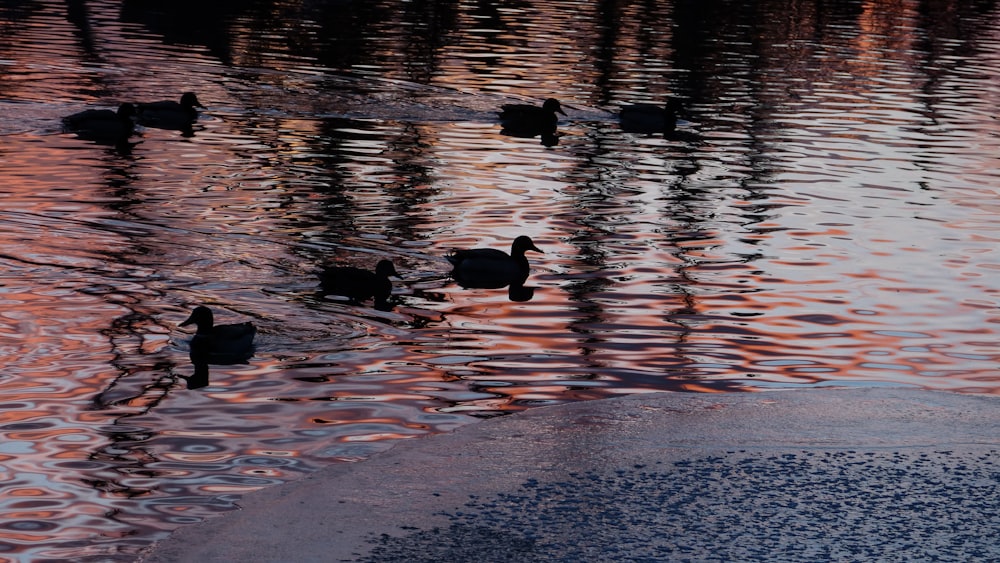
{"x": 649, "y": 118}
{"x": 491, "y": 268}
{"x": 525, "y": 120}
{"x": 103, "y": 125}
{"x": 360, "y": 284}
{"x": 219, "y": 344}
{"x": 168, "y": 114}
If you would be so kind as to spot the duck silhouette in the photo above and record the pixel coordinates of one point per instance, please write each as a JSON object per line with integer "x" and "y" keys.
{"x": 168, "y": 114}
{"x": 490, "y": 268}
{"x": 103, "y": 125}
{"x": 219, "y": 344}
{"x": 525, "y": 120}
{"x": 360, "y": 284}
{"x": 650, "y": 118}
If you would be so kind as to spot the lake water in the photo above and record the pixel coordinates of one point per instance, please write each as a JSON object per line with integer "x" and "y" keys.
{"x": 826, "y": 216}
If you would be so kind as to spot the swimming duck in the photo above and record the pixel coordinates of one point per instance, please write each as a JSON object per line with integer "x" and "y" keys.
{"x": 219, "y": 344}
{"x": 167, "y": 114}
{"x": 649, "y": 118}
{"x": 103, "y": 125}
{"x": 360, "y": 284}
{"x": 491, "y": 268}
{"x": 525, "y": 120}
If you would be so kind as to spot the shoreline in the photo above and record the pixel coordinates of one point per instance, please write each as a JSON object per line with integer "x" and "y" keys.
{"x": 800, "y": 475}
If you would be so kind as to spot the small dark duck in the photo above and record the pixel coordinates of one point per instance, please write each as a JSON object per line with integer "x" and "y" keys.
{"x": 219, "y": 344}
{"x": 525, "y": 120}
{"x": 491, "y": 268}
{"x": 360, "y": 284}
{"x": 650, "y": 118}
{"x": 103, "y": 125}
{"x": 168, "y": 114}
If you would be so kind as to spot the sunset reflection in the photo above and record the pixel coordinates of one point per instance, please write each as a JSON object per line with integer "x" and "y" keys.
{"x": 827, "y": 218}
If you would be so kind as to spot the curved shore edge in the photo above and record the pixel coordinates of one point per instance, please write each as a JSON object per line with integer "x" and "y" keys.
{"x": 794, "y": 475}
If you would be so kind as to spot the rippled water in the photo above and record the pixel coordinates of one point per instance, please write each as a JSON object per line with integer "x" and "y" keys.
{"x": 827, "y": 216}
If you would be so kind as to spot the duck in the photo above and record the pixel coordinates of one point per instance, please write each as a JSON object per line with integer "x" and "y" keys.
{"x": 219, "y": 344}
{"x": 167, "y": 114}
{"x": 360, "y": 284}
{"x": 103, "y": 125}
{"x": 526, "y": 120}
{"x": 491, "y": 268}
{"x": 650, "y": 118}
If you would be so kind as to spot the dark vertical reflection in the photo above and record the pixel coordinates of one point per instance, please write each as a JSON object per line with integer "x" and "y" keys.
{"x": 428, "y": 25}
{"x": 953, "y": 31}
{"x": 77, "y": 14}
{"x": 193, "y": 22}
{"x": 339, "y": 35}
{"x": 13, "y": 15}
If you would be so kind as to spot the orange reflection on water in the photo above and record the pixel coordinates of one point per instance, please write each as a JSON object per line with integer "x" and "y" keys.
{"x": 375, "y": 437}
{"x": 29, "y": 515}
{"x": 230, "y": 489}
{"x": 701, "y": 388}
{"x": 195, "y": 457}
{"x": 28, "y": 492}
{"x": 778, "y": 249}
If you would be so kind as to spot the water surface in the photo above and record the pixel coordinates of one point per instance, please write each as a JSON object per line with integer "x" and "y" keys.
{"x": 826, "y": 216}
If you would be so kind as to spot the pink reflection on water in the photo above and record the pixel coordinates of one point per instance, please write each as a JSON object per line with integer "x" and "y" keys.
{"x": 823, "y": 231}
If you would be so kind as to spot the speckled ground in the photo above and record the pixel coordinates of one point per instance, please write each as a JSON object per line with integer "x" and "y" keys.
{"x": 738, "y": 506}
{"x": 878, "y": 474}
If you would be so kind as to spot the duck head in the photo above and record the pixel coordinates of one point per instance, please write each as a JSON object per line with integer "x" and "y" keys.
{"x": 189, "y": 100}
{"x": 126, "y": 111}
{"x": 202, "y": 318}
{"x": 384, "y": 268}
{"x": 552, "y": 105}
{"x": 521, "y": 245}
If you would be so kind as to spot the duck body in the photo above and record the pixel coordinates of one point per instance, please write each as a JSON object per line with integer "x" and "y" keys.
{"x": 168, "y": 114}
{"x": 103, "y": 125}
{"x": 491, "y": 268}
{"x": 525, "y": 120}
{"x": 219, "y": 344}
{"x": 360, "y": 284}
{"x": 650, "y": 118}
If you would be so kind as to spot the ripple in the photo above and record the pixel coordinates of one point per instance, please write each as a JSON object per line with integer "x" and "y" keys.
{"x": 828, "y": 217}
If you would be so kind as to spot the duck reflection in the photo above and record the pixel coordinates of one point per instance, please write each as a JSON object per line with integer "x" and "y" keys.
{"x": 359, "y": 284}
{"x": 199, "y": 378}
{"x": 489, "y": 268}
{"x": 520, "y": 293}
{"x": 216, "y": 344}
{"x": 528, "y": 121}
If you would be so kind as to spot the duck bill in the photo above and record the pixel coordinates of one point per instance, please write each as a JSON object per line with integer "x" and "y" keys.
{"x": 189, "y": 321}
